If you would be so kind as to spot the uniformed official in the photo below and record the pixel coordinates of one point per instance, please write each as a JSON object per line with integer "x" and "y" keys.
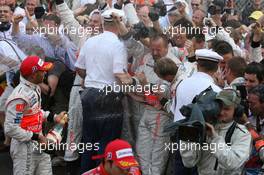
{"x": 207, "y": 65}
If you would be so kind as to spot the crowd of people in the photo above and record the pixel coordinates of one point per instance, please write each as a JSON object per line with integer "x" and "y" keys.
{"x": 136, "y": 79}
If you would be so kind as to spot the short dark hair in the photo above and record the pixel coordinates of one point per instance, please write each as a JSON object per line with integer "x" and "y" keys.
{"x": 199, "y": 37}
{"x": 206, "y": 65}
{"x": 185, "y": 23}
{"x": 257, "y": 69}
{"x": 52, "y": 17}
{"x": 222, "y": 47}
{"x": 165, "y": 66}
{"x": 232, "y": 23}
{"x": 237, "y": 65}
{"x": 160, "y": 36}
{"x": 258, "y": 91}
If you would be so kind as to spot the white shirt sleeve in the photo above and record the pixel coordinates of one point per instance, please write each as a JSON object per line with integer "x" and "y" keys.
{"x": 119, "y": 59}
{"x": 80, "y": 63}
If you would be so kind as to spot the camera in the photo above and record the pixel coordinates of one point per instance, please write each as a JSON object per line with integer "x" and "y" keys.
{"x": 204, "y": 108}
{"x": 158, "y": 9}
{"x": 207, "y": 104}
{"x": 207, "y": 22}
{"x": 5, "y": 26}
{"x": 39, "y": 12}
{"x": 216, "y": 7}
{"x": 140, "y": 31}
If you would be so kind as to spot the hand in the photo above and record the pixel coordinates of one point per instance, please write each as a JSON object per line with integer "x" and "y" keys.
{"x": 27, "y": 13}
{"x": 125, "y": 78}
{"x": 117, "y": 19}
{"x": 257, "y": 33}
{"x": 243, "y": 119}
{"x": 58, "y": 118}
{"x": 219, "y": 78}
{"x": 159, "y": 92}
{"x": 42, "y": 140}
{"x": 142, "y": 78}
{"x": 17, "y": 19}
{"x": 80, "y": 10}
{"x": 83, "y": 20}
{"x": 189, "y": 46}
{"x": 243, "y": 29}
{"x": 210, "y": 130}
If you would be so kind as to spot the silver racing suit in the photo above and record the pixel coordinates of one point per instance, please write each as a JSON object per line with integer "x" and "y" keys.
{"x": 23, "y": 118}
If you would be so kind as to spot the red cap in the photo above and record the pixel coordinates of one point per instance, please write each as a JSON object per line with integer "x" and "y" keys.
{"x": 33, "y": 64}
{"x": 120, "y": 152}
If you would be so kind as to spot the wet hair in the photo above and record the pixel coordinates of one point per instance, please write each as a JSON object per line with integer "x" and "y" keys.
{"x": 222, "y": 47}
{"x": 257, "y": 69}
{"x": 187, "y": 25}
{"x": 237, "y": 65}
{"x": 52, "y": 17}
{"x": 160, "y": 36}
{"x": 165, "y": 66}
{"x": 208, "y": 66}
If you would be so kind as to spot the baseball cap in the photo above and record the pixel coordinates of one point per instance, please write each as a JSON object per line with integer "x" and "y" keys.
{"x": 107, "y": 15}
{"x": 32, "y": 64}
{"x": 229, "y": 97}
{"x": 120, "y": 152}
{"x": 256, "y": 15}
{"x": 206, "y": 54}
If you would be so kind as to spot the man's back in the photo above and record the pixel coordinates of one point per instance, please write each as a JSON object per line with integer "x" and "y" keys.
{"x": 102, "y": 56}
{"x": 189, "y": 88}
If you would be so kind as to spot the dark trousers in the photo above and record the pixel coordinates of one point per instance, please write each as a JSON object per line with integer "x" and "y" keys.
{"x": 179, "y": 168}
{"x": 102, "y": 123}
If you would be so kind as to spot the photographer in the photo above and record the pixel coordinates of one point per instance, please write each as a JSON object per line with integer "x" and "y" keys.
{"x": 234, "y": 139}
{"x": 255, "y": 127}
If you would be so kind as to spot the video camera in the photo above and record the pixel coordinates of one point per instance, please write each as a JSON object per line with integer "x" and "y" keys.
{"x": 158, "y": 9}
{"x": 140, "y": 31}
{"x": 204, "y": 108}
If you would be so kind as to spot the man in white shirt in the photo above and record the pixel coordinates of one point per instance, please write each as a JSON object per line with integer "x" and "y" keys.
{"x": 198, "y": 82}
{"x": 207, "y": 65}
{"x": 102, "y": 62}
